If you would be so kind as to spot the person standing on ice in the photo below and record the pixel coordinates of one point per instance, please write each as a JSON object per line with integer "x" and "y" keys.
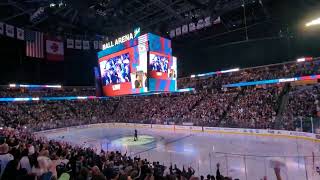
{"x": 135, "y": 135}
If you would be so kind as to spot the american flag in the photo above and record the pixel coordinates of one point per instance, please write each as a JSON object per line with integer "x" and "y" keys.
{"x": 34, "y": 44}
{"x": 143, "y": 38}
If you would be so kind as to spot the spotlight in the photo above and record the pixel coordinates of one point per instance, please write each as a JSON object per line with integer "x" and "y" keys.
{"x": 303, "y": 59}
{"x": 313, "y": 22}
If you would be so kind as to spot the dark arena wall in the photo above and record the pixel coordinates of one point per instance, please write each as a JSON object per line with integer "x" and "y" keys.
{"x": 207, "y": 57}
{"x": 77, "y": 68}
{"x": 15, "y": 67}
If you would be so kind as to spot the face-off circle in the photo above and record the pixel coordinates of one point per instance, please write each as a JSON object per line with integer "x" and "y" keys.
{"x": 129, "y": 140}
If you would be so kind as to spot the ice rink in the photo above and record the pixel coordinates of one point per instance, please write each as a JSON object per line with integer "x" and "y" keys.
{"x": 246, "y": 157}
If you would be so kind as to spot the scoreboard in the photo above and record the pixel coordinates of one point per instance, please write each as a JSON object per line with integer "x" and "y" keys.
{"x": 140, "y": 65}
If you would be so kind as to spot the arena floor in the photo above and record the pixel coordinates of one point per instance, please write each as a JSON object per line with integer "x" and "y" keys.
{"x": 245, "y": 157}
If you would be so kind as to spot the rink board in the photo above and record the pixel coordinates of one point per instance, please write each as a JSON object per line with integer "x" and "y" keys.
{"x": 199, "y": 129}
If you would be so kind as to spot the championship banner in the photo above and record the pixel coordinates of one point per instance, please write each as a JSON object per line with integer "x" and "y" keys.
{"x": 192, "y": 27}
{"x": 178, "y": 31}
{"x": 184, "y": 29}
{"x": 55, "y": 50}
{"x": 1, "y": 28}
{"x": 95, "y": 45}
{"x": 78, "y": 44}
{"x": 200, "y": 24}
{"x": 9, "y": 30}
{"x": 70, "y": 43}
{"x": 172, "y": 33}
{"x": 207, "y": 21}
{"x": 100, "y": 45}
{"x": 217, "y": 21}
{"x": 86, "y": 45}
{"x": 20, "y": 34}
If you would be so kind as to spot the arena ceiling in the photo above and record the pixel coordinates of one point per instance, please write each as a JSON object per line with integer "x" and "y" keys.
{"x": 112, "y": 17}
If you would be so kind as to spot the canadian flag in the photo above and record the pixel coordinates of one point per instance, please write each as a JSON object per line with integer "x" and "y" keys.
{"x": 55, "y": 50}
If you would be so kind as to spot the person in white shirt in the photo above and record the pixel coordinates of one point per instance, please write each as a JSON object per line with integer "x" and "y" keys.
{"x": 44, "y": 160}
{"x": 24, "y": 162}
{"x": 5, "y": 157}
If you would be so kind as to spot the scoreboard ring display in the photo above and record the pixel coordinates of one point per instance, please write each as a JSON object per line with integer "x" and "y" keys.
{"x": 141, "y": 65}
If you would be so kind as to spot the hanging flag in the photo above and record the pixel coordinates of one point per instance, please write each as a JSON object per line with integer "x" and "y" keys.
{"x": 172, "y": 33}
{"x": 34, "y": 44}
{"x": 200, "y": 24}
{"x": 143, "y": 39}
{"x": 207, "y": 21}
{"x": 99, "y": 37}
{"x": 100, "y": 44}
{"x": 192, "y": 27}
{"x": 86, "y": 45}
{"x": 105, "y": 39}
{"x": 78, "y": 44}
{"x": 217, "y": 21}
{"x": 20, "y": 34}
{"x": 184, "y": 29}
{"x": 54, "y": 49}
{"x": 178, "y": 31}
{"x": 1, "y": 28}
{"x": 70, "y": 43}
{"x": 9, "y": 30}
{"x": 95, "y": 44}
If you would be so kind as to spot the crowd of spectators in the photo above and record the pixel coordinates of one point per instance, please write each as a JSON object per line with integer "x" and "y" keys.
{"x": 23, "y": 155}
{"x": 304, "y": 101}
{"x": 211, "y": 109}
{"x": 46, "y": 92}
{"x": 285, "y": 70}
{"x": 13, "y": 114}
{"x": 200, "y": 108}
{"x": 303, "y": 104}
{"x": 209, "y": 105}
{"x": 27, "y": 156}
{"x": 242, "y": 108}
{"x": 254, "y": 108}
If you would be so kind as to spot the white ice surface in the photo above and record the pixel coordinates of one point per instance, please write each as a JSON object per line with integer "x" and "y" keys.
{"x": 245, "y": 157}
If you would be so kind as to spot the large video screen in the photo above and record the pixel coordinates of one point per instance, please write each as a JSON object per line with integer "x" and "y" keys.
{"x": 162, "y": 72}
{"x": 125, "y": 72}
{"x": 116, "y": 70}
{"x": 158, "y": 63}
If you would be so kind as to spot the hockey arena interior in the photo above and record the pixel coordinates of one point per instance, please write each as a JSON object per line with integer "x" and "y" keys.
{"x": 159, "y": 90}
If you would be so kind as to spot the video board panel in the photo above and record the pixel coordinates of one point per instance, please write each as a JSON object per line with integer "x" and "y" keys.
{"x": 125, "y": 72}
{"x": 162, "y": 72}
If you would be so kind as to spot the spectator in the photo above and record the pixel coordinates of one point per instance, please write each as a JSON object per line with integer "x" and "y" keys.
{"x": 5, "y": 157}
